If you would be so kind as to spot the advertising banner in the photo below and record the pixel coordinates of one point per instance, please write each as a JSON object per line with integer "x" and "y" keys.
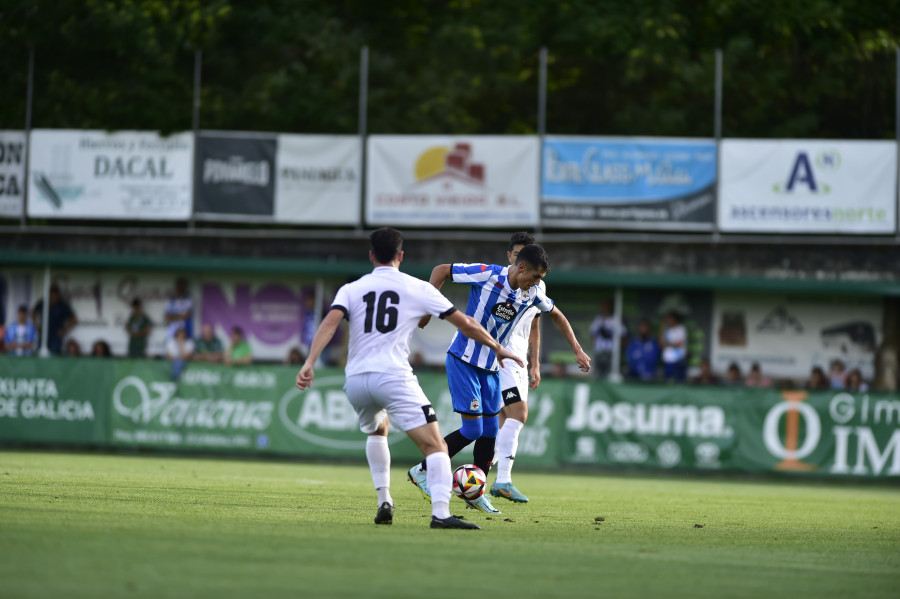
{"x": 235, "y": 174}
{"x": 126, "y": 175}
{"x": 12, "y": 173}
{"x": 808, "y": 186}
{"x": 629, "y": 183}
{"x": 452, "y": 181}
{"x": 307, "y": 179}
{"x": 257, "y": 409}
{"x": 54, "y": 401}
{"x": 789, "y": 334}
{"x": 318, "y": 179}
{"x": 746, "y": 430}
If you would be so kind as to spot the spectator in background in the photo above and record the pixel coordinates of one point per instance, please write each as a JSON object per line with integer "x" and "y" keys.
{"x": 179, "y": 351}
{"x": 642, "y": 354}
{"x": 60, "y": 316}
{"x": 180, "y": 310}
{"x": 837, "y": 375}
{"x": 705, "y": 376}
{"x": 733, "y": 376}
{"x": 817, "y": 380}
{"x": 756, "y": 378}
{"x": 208, "y": 348}
{"x": 603, "y": 330}
{"x": 673, "y": 340}
{"x": 21, "y": 337}
{"x": 73, "y": 350}
{"x": 855, "y": 382}
{"x": 239, "y": 351}
{"x": 100, "y": 349}
{"x": 309, "y": 322}
{"x": 138, "y": 328}
{"x": 295, "y": 356}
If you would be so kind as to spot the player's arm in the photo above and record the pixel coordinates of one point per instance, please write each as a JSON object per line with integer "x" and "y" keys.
{"x": 469, "y": 327}
{"x": 323, "y": 336}
{"x": 534, "y": 354}
{"x": 562, "y": 324}
{"x": 439, "y": 275}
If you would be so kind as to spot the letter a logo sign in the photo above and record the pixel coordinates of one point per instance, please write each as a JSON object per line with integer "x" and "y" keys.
{"x": 802, "y": 173}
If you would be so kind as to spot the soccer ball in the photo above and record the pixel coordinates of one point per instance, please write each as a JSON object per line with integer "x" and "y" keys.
{"x": 468, "y": 482}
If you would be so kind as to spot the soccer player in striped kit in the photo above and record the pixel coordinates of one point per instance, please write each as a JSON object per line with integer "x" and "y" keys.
{"x": 500, "y": 297}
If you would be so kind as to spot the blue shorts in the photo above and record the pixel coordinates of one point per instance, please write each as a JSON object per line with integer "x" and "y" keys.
{"x": 473, "y": 390}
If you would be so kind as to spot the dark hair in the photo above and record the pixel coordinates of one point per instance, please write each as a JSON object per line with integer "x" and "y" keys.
{"x": 535, "y": 256}
{"x": 23, "y": 308}
{"x": 386, "y": 244}
{"x": 237, "y": 330}
{"x": 136, "y": 302}
{"x": 520, "y": 238}
{"x": 734, "y": 366}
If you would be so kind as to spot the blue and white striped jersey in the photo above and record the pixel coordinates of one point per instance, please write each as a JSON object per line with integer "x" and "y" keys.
{"x": 494, "y": 304}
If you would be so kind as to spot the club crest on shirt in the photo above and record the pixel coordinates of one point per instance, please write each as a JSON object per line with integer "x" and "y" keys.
{"x": 473, "y": 407}
{"x": 505, "y": 312}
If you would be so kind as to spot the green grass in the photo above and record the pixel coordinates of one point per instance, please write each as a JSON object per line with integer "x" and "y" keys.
{"x": 104, "y": 526}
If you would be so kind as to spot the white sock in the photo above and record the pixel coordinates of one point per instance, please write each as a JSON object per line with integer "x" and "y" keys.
{"x": 379, "y": 457}
{"x": 439, "y": 478}
{"x": 507, "y": 444}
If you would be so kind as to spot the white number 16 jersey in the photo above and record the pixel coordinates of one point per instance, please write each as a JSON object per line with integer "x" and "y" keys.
{"x": 383, "y": 308}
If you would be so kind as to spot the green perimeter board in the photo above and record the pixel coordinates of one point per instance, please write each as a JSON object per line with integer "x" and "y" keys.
{"x": 571, "y": 421}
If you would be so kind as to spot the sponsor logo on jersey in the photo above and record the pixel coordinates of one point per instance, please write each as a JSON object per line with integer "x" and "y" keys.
{"x": 504, "y": 312}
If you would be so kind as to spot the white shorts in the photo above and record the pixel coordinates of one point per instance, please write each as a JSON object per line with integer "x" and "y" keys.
{"x": 513, "y": 383}
{"x": 376, "y": 395}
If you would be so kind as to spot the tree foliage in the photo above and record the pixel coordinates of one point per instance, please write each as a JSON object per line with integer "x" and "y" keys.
{"x": 822, "y": 68}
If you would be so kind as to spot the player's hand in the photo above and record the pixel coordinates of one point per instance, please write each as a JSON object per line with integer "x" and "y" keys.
{"x": 505, "y": 354}
{"x": 584, "y": 361}
{"x": 534, "y": 377}
{"x": 423, "y": 322}
{"x": 305, "y": 378}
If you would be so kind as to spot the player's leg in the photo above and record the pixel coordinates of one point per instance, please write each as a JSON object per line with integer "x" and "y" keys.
{"x": 413, "y": 413}
{"x": 373, "y": 420}
{"x": 465, "y": 392}
{"x": 515, "y": 409}
{"x": 483, "y": 452}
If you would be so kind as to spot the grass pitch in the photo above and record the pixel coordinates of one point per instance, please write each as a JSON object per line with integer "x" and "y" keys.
{"x": 107, "y": 526}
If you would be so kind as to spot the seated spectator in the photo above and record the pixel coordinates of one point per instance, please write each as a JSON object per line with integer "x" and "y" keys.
{"x": 239, "y": 351}
{"x": 755, "y": 378}
{"x": 559, "y": 370}
{"x": 73, "y": 350}
{"x": 295, "y": 356}
{"x": 100, "y": 349}
{"x": 733, "y": 376}
{"x": 179, "y": 350}
{"x": 706, "y": 376}
{"x": 208, "y": 348}
{"x": 817, "y": 380}
{"x": 855, "y": 382}
{"x": 21, "y": 337}
{"x": 673, "y": 341}
{"x": 642, "y": 354}
{"x": 138, "y": 328}
{"x": 837, "y": 375}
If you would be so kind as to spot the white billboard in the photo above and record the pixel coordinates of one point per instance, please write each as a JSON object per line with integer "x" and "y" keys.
{"x": 12, "y": 173}
{"x": 808, "y": 186}
{"x": 318, "y": 179}
{"x": 447, "y": 181}
{"x": 789, "y": 334}
{"x": 125, "y": 175}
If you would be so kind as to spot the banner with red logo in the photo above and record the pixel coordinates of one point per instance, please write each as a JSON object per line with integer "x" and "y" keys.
{"x": 452, "y": 181}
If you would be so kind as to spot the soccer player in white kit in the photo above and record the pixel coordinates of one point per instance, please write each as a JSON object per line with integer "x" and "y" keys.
{"x": 383, "y": 308}
{"x": 515, "y": 382}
